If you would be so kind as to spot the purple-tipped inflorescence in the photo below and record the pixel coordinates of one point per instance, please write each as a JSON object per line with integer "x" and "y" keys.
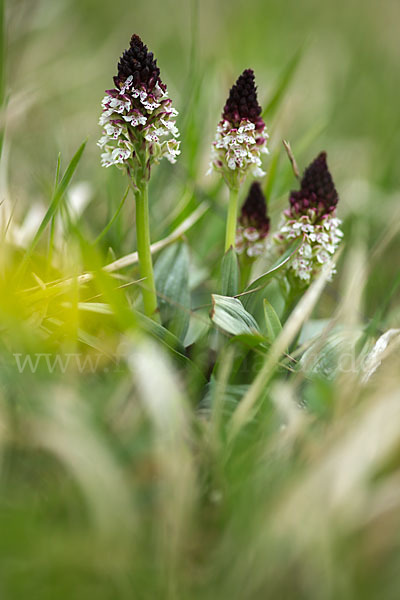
{"x": 242, "y": 102}
{"x": 137, "y": 62}
{"x": 253, "y": 226}
{"x": 317, "y": 192}
{"x": 138, "y": 118}
{"x": 311, "y": 216}
{"x": 241, "y": 137}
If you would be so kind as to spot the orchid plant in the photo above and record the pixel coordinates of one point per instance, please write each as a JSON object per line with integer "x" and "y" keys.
{"x": 240, "y": 141}
{"x": 139, "y": 129}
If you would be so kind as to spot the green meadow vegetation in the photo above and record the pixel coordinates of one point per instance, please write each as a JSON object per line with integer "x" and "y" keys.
{"x": 237, "y": 435}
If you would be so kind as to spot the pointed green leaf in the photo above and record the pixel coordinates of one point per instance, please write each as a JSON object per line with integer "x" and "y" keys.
{"x": 172, "y": 344}
{"x": 259, "y": 283}
{"x": 160, "y": 333}
{"x": 55, "y": 203}
{"x": 172, "y": 283}
{"x": 229, "y": 315}
{"x": 58, "y": 195}
{"x": 229, "y": 273}
{"x": 272, "y": 321}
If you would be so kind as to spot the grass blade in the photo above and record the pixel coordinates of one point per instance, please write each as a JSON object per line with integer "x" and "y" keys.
{"x": 57, "y": 197}
{"x": 113, "y": 219}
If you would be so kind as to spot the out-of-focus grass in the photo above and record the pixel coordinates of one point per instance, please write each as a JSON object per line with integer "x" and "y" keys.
{"x": 114, "y": 483}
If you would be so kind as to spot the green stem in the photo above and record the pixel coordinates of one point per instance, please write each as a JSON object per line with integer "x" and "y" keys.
{"x": 143, "y": 247}
{"x": 231, "y": 223}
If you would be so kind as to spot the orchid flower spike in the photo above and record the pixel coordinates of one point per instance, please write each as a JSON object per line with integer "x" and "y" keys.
{"x": 311, "y": 216}
{"x": 241, "y": 136}
{"x": 138, "y": 119}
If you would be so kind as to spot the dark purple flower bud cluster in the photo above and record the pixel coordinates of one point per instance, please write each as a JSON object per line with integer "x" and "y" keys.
{"x": 317, "y": 191}
{"x": 242, "y": 102}
{"x": 253, "y": 226}
{"x": 139, "y": 63}
{"x": 254, "y": 211}
{"x": 137, "y": 115}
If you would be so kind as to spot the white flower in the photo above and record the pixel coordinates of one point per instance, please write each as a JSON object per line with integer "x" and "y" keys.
{"x": 256, "y": 249}
{"x": 250, "y": 241}
{"x": 251, "y": 234}
{"x": 320, "y": 241}
{"x": 172, "y": 150}
{"x": 132, "y": 113}
{"x": 238, "y": 149}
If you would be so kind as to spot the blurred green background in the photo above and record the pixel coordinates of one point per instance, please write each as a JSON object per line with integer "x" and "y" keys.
{"x": 343, "y": 96}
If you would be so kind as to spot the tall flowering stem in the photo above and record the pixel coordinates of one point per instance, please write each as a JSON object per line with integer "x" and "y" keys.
{"x": 230, "y": 233}
{"x": 143, "y": 246}
{"x": 312, "y": 217}
{"x": 239, "y": 143}
{"x": 139, "y": 130}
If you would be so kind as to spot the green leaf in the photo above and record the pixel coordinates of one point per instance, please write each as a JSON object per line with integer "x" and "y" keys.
{"x": 114, "y": 218}
{"x": 232, "y": 396}
{"x": 160, "y": 333}
{"x": 324, "y": 356}
{"x": 172, "y": 344}
{"x": 272, "y": 321}
{"x": 172, "y": 283}
{"x": 259, "y": 283}
{"x": 244, "y": 345}
{"x": 198, "y": 328}
{"x": 229, "y": 273}
{"x": 55, "y": 203}
{"x": 250, "y": 341}
{"x": 229, "y": 315}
